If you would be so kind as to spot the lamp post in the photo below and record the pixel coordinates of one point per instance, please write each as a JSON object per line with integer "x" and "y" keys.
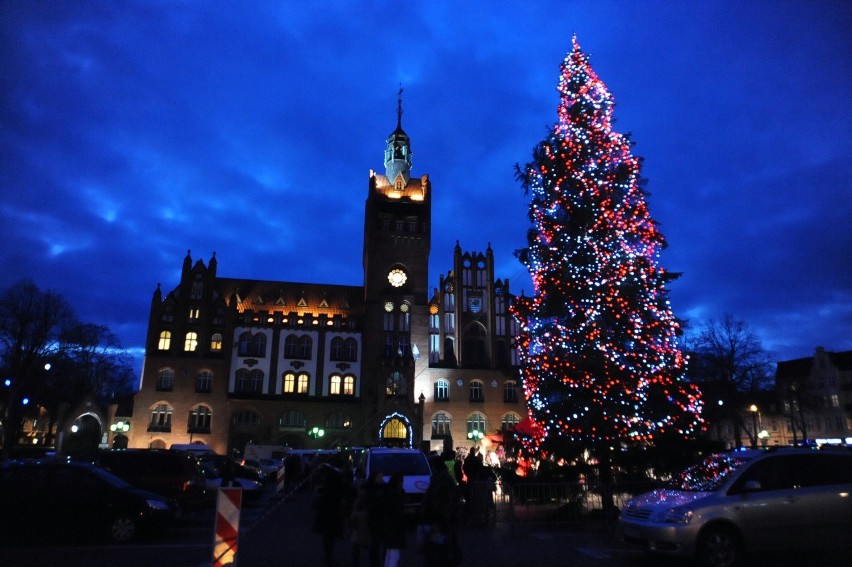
{"x": 316, "y": 433}
{"x": 754, "y": 411}
{"x": 475, "y": 435}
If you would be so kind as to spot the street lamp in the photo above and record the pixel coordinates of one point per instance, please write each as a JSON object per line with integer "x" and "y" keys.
{"x": 753, "y": 410}
{"x": 475, "y": 435}
{"x": 316, "y": 433}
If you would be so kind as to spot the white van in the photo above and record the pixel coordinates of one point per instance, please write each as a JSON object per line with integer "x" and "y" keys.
{"x": 197, "y": 449}
{"x": 411, "y": 463}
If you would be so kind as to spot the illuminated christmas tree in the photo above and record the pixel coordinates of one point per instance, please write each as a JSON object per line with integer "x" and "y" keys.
{"x": 598, "y": 344}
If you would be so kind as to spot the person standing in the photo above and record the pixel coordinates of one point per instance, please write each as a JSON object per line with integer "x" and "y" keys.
{"x": 393, "y": 520}
{"x": 440, "y": 509}
{"x": 365, "y": 521}
{"x": 330, "y": 507}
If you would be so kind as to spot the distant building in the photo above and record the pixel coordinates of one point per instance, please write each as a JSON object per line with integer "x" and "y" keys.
{"x": 816, "y": 396}
{"x": 231, "y": 361}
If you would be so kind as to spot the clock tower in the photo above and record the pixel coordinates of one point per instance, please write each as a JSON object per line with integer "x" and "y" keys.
{"x": 397, "y": 239}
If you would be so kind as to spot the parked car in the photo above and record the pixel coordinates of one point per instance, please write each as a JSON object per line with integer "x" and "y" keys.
{"x": 269, "y": 467}
{"x": 61, "y": 498}
{"x": 175, "y": 474}
{"x": 221, "y": 470}
{"x": 746, "y": 501}
{"x": 411, "y": 463}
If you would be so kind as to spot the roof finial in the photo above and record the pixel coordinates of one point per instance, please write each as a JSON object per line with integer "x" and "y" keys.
{"x": 399, "y": 108}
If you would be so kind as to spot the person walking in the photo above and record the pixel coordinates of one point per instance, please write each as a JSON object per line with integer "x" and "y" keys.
{"x": 330, "y": 507}
{"x": 365, "y": 521}
{"x": 393, "y": 520}
{"x": 440, "y": 509}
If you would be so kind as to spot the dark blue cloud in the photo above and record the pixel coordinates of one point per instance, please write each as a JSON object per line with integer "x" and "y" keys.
{"x": 132, "y": 131}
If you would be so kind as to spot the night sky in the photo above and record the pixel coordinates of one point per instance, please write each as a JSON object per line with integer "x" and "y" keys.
{"x": 133, "y": 131}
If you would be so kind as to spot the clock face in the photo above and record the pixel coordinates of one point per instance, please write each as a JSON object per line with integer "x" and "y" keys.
{"x": 397, "y": 277}
{"x": 389, "y": 306}
{"x": 404, "y": 308}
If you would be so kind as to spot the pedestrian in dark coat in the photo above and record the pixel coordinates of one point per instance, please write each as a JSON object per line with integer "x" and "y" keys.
{"x": 365, "y": 521}
{"x": 393, "y": 520}
{"x": 440, "y": 510}
{"x": 330, "y": 507}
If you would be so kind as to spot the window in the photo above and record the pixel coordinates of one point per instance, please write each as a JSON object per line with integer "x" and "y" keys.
{"x": 291, "y": 346}
{"x": 337, "y": 348}
{"x": 197, "y": 288}
{"x": 161, "y": 418}
{"x": 289, "y": 385}
{"x": 199, "y": 420}
{"x": 258, "y": 345}
{"x": 204, "y": 381}
{"x": 404, "y": 346}
{"x": 302, "y": 385}
{"x": 476, "y": 422}
{"x": 338, "y": 420}
{"x": 246, "y": 417}
{"x": 244, "y": 347}
{"x": 404, "y": 322}
{"x": 394, "y": 384}
{"x": 476, "y": 391}
{"x": 510, "y": 391}
{"x": 335, "y": 384}
{"x": 255, "y": 385}
{"x": 194, "y": 313}
{"x": 216, "y": 342}
{"x": 305, "y": 347}
{"x": 509, "y": 421}
{"x": 191, "y": 342}
{"x": 242, "y": 381}
{"x": 388, "y": 346}
{"x": 442, "y": 390}
{"x": 440, "y": 425}
{"x": 166, "y": 380}
{"x": 350, "y": 350}
{"x": 165, "y": 340}
{"x": 290, "y": 419}
{"x": 349, "y": 385}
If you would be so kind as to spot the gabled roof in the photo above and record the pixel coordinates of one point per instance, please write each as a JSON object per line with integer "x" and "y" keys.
{"x": 293, "y": 297}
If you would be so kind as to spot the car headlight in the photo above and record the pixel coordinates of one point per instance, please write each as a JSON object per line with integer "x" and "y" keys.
{"x": 157, "y": 504}
{"x": 680, "y": 516}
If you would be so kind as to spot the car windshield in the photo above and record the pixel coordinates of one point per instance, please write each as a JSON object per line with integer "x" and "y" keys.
{"x": 409, "y": 464}
{"x": 709, "y": 475}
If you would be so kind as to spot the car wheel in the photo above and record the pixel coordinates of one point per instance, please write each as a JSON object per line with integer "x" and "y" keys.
{"x": 719, "y": 547}
{"x": 122, "y": 529}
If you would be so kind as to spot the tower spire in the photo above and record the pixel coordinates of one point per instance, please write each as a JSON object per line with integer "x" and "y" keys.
{"x": 398, "y": 150}
{"x": 399, "y": 108}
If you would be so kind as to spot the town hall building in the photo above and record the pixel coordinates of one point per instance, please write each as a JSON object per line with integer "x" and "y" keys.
{"x": 231, "y": 361}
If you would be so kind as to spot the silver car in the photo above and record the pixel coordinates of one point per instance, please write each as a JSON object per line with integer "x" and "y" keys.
{"x": 744, "y": 501}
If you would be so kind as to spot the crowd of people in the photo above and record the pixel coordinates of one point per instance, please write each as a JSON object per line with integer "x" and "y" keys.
{"x": 369, "y": 514}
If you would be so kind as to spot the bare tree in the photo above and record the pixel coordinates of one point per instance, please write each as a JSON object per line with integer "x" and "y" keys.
{"x": 31, "y": 321}
{"x": 729, "y": 353}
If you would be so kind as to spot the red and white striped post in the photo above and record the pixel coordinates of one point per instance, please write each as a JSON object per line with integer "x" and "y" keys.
{"x": 228, "y": 503}
{"x": 280, "y": 479}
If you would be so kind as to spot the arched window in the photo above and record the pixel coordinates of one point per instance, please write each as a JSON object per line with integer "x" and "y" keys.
{"x": 509, "y": 421}
{"x": 349, "y": 385}
{"x": 191, "y": 342}
{"x": 476, "y": 423}
{"x": 350, "y": 350}
{"x": 334, "y": 387}
{"x": 245, "y": 344}
{"x": 241, "y": 384}
{"x": 440, "y": 425}
{"x": 165, "y": 340}
{"x": 291, "y": 419}
{"x": 303, "y": 383}
{"x": 473, "y": 345}
{"x": 216, "y": 342}
{"x": 246, "y": 417}
{"x": 394, "y": 385}
{"x": 305, "y": 347}
{"x": 204, "y": 381}
{"x": 197, "y": 288}
{"x": 161, "y": 418}
{"x": 289, "y": 386}
{"x": 337, "y": 349}
{"x": 442, "y": 390}
{"x": 258, "y": 344}
{"x": 338, "y": 420}
{"x": 255, "y": 385}
{"x": 394, "y": 429}
{"x": 510, "y": 391}
{"x": 476, "y": 394}
{"x": 166, "y": 380}
{"x": 291, "y": 346}
{"x": 199, "y": 420}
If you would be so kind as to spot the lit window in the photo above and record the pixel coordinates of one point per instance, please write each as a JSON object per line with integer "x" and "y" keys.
{"x": 348, "y": 385}
{"x": 304, "y": 380}
{"x": 191, "y": 342}
{"x": 442, "y": 390}
{"x": 394, "y": 383}
{"x": 165, "y": 340}
{"x": 194, "y": 314}
{"x": 334, "y": 387}
{"x": 289, "y": 383}
{"x": 338, "y": 420}
{"x": 216, "y": 342}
